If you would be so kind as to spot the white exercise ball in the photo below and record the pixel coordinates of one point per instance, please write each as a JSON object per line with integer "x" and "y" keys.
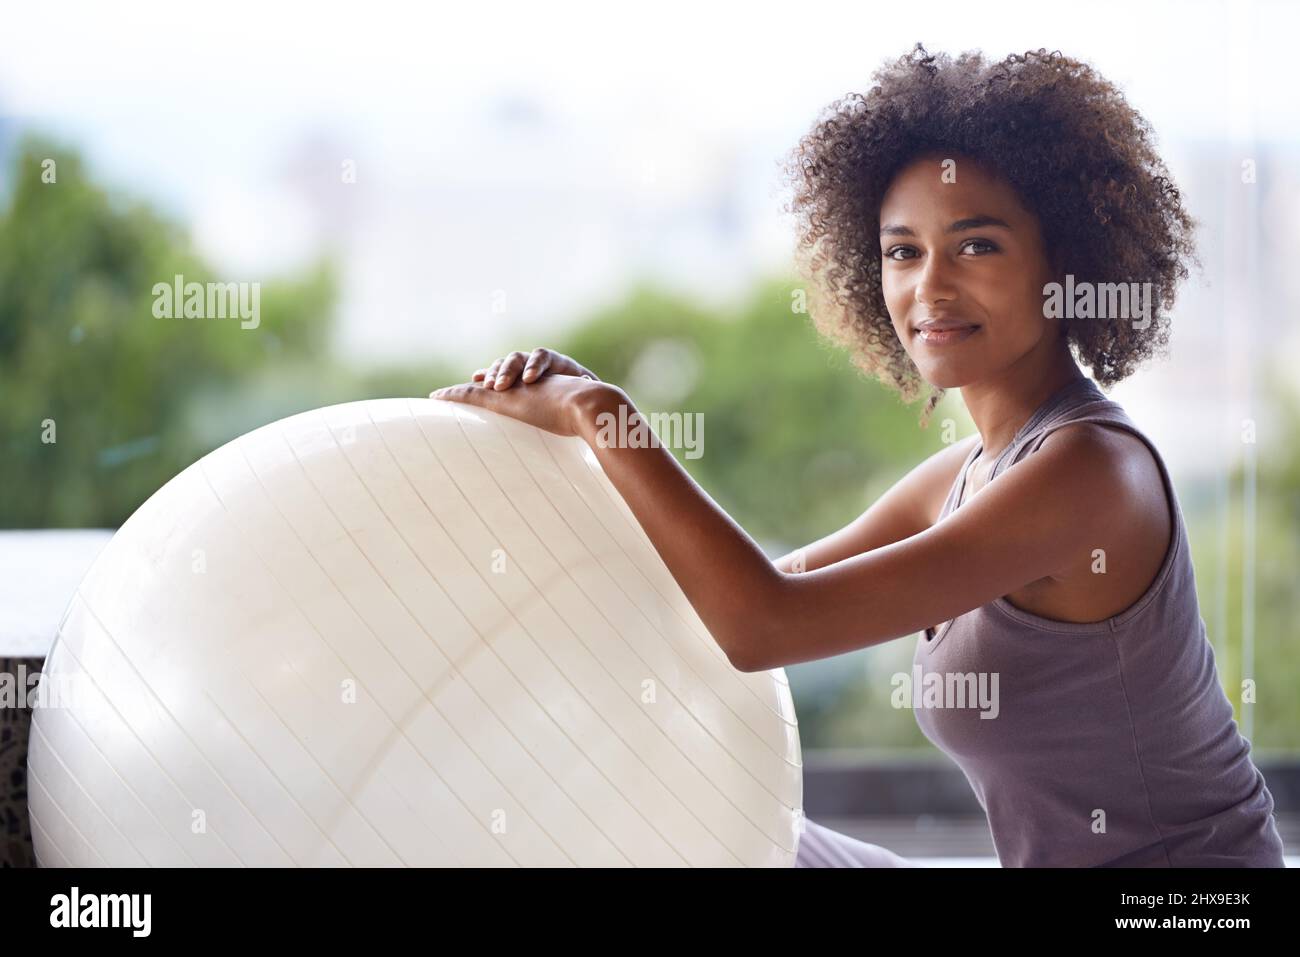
{"x": 401, "y": 632}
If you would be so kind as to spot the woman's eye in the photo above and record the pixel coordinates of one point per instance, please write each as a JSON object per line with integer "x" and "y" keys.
{"x": 984, "y": 247}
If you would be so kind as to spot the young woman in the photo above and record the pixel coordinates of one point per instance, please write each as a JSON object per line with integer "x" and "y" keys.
{"x": 954, "y": 222}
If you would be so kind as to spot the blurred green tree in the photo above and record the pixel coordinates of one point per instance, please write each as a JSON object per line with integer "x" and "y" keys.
{"x": 1218, "y": 553}
{"x": 85, "y": 362}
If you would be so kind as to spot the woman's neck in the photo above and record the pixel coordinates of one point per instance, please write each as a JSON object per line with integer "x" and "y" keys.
{"x": 1001, "y": 406}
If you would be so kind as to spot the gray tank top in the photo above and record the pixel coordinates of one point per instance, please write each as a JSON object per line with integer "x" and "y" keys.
{"x": 1110, "y": 743}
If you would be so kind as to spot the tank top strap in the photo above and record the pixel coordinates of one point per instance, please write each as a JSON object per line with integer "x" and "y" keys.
{"x": 1104, "y": 412}
{"x": 1096, "y": 409}
{"x": 1078, "y": 397}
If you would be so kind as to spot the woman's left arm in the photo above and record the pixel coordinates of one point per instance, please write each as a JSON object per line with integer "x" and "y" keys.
{"x": 1044, "y": 515}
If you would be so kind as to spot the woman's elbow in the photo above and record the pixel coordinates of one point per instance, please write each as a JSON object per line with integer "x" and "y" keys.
{"x": 746, "y": 660}
{"x": 751, "y": 645}
{"x": 749, "y": 667}
{"x": 753, "y": 649}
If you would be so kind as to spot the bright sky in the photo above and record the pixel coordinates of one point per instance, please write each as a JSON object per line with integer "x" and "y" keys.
{"x": 749, "y": 66}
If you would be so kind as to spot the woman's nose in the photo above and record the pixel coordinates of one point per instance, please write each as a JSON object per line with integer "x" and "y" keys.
{"x": 934, "y": 283}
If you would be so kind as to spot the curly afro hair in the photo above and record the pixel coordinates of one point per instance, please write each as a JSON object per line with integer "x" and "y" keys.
{"x": 1065, "y": 139}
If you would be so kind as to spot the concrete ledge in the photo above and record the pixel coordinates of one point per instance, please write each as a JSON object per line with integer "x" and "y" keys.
{"x": 39, "y": 572}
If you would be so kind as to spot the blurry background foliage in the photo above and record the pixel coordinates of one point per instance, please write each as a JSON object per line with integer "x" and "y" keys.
{"x": 796, "y": 443}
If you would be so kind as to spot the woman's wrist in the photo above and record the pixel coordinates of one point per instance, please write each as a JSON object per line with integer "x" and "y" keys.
{"x": 588, "y": 407}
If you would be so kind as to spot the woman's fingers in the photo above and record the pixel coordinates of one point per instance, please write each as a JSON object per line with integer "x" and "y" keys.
{"x": 530, "y": 367}
{"x": 537, "y": 363}
{"x": 510, "y": 366}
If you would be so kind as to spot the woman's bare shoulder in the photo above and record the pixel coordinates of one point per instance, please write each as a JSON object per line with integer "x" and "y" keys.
{"x": 1120, "y": 454}
{"x": 1125, "y": 500}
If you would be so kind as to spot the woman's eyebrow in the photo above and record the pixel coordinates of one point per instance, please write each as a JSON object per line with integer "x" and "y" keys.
{"x": 972, "y": 222}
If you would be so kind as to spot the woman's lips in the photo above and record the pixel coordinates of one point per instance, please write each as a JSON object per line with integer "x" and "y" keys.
{"x": 943, "y": 337}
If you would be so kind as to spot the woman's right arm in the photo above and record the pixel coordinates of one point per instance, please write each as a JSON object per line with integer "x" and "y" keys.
{"x": 910, "y": 506}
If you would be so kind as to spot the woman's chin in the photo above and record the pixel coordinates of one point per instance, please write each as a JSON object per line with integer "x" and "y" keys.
{"x": 946, "y": 378}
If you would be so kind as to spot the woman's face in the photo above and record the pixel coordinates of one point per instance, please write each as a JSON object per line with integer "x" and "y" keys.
{"x": 967, "y": 255}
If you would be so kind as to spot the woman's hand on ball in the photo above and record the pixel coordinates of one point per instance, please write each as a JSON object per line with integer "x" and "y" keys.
{"x": 556, "y": 403}
{"x": 516, "y": 366}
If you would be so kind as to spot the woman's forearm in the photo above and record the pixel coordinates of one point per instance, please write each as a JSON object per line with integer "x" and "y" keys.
{"x": 726, "y": 576}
